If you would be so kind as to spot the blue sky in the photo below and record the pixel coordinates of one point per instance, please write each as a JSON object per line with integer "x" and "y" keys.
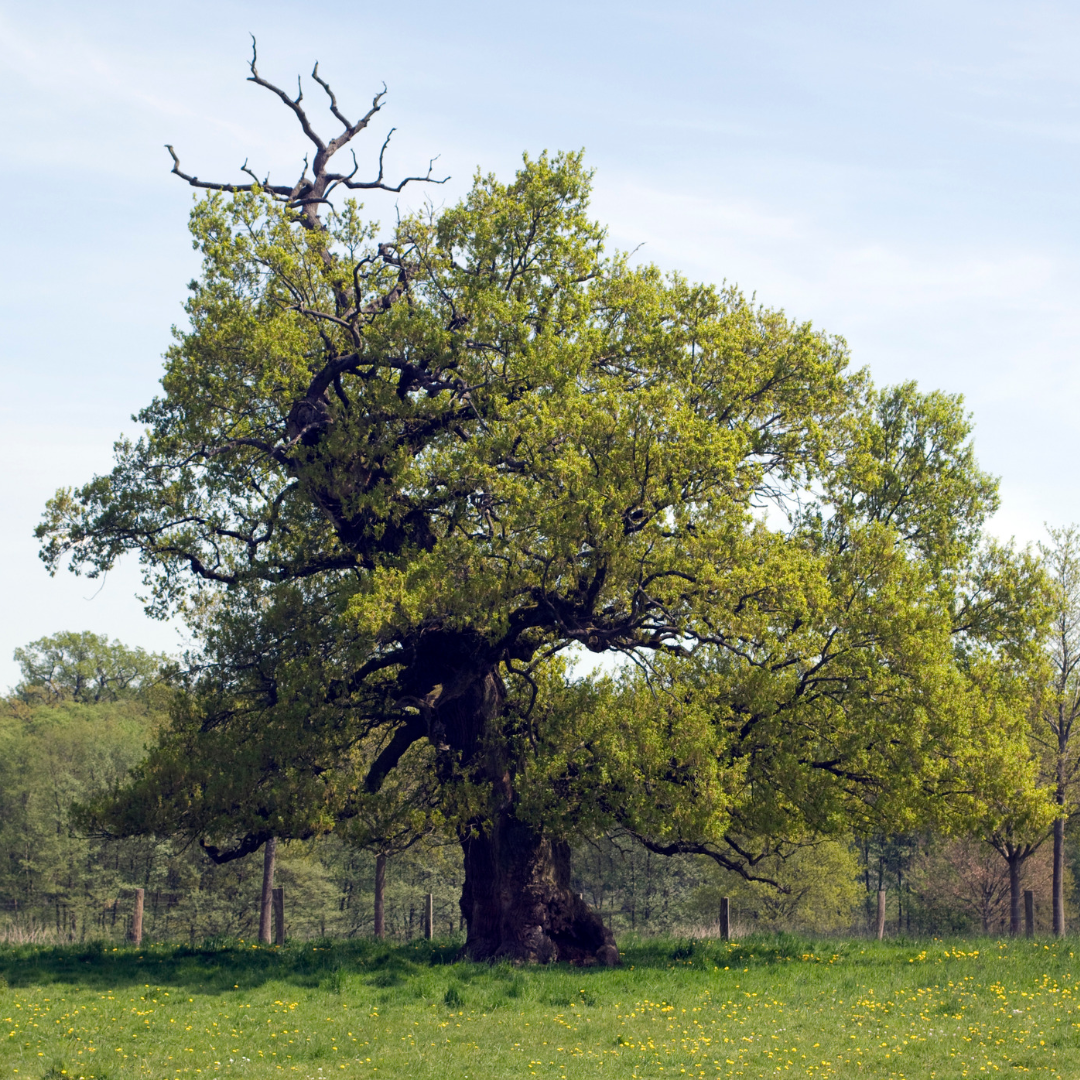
{"x": 903, "y": 174}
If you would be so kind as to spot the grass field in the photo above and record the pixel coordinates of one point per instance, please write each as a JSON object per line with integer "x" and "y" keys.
{"x": 756, "y": 1008}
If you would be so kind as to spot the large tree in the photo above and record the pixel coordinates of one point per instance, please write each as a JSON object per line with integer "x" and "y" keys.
{"x": 405, "y": 476}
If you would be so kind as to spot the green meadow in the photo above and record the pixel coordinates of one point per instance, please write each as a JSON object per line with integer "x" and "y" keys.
{"x": 755, "y": 1008}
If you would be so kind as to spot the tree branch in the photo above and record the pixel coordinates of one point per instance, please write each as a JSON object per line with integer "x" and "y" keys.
{"x": 292, "y": 103}
{"x": 309, "y": 193}
{"x": 251, "y": 842}
{"x": 686, "y": 847}
{"x": 409, "y": 732}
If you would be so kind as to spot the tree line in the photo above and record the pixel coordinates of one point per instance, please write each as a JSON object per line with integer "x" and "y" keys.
{"x": 87, "y": 709}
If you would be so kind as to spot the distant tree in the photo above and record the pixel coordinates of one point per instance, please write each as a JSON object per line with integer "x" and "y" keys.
{"x": 50, "y": 756}
{"x": 1060, "y": 711}
{"x": 85, "y": 667}
{"x": 1016, "y": 815}
{"x": 404, "y": 813}
{"x": 632, "y": 887}
{"x": 235, "y": 775}
{"x": 965, "y": 876}
{"x": 820, "y": 891}
{"x": 982, "y": 885}
{"x": 886, "y": 860}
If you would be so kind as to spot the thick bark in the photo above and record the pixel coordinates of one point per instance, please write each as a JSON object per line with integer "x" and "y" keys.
{"x": 518, "y": 903}
{"x": 1014, "y": 861}
{"x": 266, "y": 901}
{"x": 380, "y": 896}
{"x": 517, "y": 900}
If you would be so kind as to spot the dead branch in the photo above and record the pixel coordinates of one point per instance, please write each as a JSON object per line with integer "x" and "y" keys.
{"x": 310, "y": 192}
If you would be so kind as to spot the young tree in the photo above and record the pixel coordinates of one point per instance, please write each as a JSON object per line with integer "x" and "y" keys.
{"x": 1061, "y": 707}
{"x": 1013, "y": 811}
{"x": 965, "y": 879}
{"x": 428, "y": 466}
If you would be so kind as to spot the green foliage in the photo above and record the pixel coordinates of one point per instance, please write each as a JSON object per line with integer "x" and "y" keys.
{"x": 90, "y": 669}
{"x": 818, "y": 892}
{"x": 50, "y": 756}
{"x": 58, "y": 881}
{"x": 391, "y": 483}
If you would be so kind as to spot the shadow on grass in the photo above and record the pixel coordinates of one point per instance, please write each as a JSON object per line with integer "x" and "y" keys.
{"x": 221, "y": 965}
{"x": 336, "y": 966}
{"x": 754, "y": 949}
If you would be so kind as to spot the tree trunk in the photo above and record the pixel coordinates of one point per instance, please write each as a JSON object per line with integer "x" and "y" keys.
{"x": 1058, "y": 895}
{"x": 266, "y": 901}
{"x": 899, "y": 897}
{"x": 517, "y": 899}
{"x": 1014, "y": 893}
{"x": 380, "y": 896}
{"x": 518, "y": 903}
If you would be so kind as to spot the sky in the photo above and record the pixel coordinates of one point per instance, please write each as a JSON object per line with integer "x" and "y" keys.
{"x": 902, "y": 174}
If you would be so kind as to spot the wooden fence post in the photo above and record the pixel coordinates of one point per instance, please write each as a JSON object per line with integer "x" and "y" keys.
{"x": 1029, "y": 913}
{"x": 279, "y": 916}
{"x": 880, "y": 914}
{"x": 429, "y": 916}
{"x": 266, "y": 900}
{"x": 380, "y": 896}
{"x": 136, "y": 918}
{"x": 725, "y": 918}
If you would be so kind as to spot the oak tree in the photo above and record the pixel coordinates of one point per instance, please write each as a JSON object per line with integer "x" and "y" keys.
{"x": 397, "y": 480}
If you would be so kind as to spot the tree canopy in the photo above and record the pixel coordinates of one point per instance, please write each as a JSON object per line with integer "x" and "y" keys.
{"x": 85, "y": 667}
{"x": 396, "y": 482}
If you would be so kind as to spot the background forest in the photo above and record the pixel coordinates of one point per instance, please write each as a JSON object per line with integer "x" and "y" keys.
{"x": 87, "y": 709}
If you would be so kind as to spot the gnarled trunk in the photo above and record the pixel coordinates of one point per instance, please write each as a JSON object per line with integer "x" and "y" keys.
{"x": 517, "y": 900}
{"x": 518, "y": 903}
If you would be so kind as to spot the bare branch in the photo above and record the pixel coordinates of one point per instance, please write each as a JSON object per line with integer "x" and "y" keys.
{"x": 333, "y": 100}
{"x": 194, "y": 181}
{"x": 352, "y": 129}
{"x": 262, "y": 183}
{"x": 378, "y": 183}
{"x": 294, "y": 105}
{"x": 307, "y": 194}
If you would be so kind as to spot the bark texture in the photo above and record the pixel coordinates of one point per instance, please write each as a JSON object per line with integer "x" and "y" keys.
{"x": 518, "y": 903}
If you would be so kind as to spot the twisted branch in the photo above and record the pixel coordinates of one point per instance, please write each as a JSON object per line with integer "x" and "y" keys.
{"x": 308, "y": 193}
